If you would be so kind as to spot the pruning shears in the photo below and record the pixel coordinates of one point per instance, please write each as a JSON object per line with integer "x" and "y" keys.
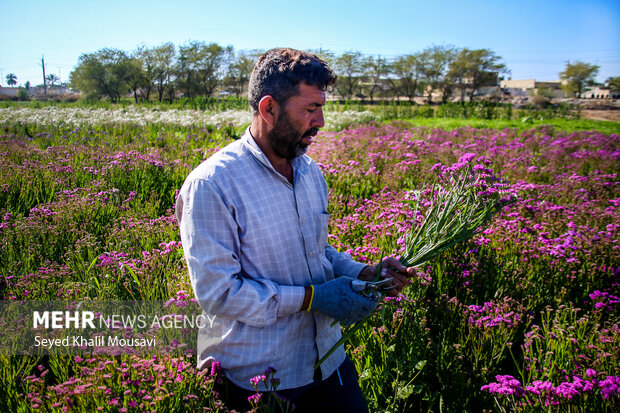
{"x": 372, "y": 289}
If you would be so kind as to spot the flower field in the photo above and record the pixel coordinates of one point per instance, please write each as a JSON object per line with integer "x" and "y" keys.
{"x": 523, "y": 317}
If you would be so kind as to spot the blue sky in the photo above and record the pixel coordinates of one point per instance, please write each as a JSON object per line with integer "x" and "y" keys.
{"x": 535, "y": 38}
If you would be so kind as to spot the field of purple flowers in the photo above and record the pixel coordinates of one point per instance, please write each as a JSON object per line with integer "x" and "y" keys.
{"x": 524, "y": 317}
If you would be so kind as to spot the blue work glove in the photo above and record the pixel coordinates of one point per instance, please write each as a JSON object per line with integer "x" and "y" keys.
{"x": 337, "y": 299}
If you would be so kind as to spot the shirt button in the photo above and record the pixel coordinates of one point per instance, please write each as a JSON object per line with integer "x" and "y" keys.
{"x": 303, "y": 221}
{"x": 309, "y": 253}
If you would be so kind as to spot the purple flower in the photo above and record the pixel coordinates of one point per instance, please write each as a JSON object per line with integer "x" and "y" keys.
{"x": 216, "y": 369}
{"x": 255, "y": 398}
{"x": 610, "y": 387}
{"x": 257, "y": 379}
{"x": 506, "y": 385}
{"x": 540, "y": 387}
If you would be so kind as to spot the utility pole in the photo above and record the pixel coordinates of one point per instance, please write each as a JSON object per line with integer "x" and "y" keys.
{"x": 44, "y": 82}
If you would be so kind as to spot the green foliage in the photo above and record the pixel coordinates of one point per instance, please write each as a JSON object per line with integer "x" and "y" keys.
{"x": 11, "y": 79}
{"x": 614, "y": 83}
{"x": 105, "y": 73}
{"x": 408, "y": 70}
{"x": 474, "y": 68}
{"x": 578, "y": 75}
{"x": 199, "y": 68}
{"x": 349, "y": 68}
{"x": 22, "y": 94}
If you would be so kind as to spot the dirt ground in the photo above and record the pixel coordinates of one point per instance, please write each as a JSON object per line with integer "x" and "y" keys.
{"x": 601, "y": 114}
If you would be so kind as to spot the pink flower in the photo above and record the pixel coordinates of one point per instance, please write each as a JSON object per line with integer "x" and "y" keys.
{"x": 255, "y": 398}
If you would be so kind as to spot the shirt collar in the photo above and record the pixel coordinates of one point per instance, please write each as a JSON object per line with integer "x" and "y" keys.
{"x": 300, "y": 164}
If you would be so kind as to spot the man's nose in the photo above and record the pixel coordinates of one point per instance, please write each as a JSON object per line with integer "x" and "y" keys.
{"x": 318, "y": 120}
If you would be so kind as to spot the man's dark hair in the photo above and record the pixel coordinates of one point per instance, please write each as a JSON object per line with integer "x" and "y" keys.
{"x": 279, "y": 71}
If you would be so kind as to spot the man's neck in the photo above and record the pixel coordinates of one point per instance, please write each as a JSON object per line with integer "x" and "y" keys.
{"x": 282, "y": 165}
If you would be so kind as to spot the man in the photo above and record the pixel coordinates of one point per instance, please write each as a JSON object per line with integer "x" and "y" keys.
{"x": 253, "y": 221}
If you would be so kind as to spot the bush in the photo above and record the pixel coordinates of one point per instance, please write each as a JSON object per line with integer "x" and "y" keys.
{"x": 22, "y": 94}
{"x": 541, "y": 101}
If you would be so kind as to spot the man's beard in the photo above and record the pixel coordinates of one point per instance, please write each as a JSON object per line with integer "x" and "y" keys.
{"x": 285, "y": 140}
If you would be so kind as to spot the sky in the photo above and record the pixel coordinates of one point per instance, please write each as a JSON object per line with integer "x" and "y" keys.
{"x": 534, "y": 38}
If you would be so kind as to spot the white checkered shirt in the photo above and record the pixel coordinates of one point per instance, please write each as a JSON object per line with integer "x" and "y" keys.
{"x": 252, "y": 242}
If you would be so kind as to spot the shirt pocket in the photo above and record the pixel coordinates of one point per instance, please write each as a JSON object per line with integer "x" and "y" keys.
{"x": 321, "y": 228}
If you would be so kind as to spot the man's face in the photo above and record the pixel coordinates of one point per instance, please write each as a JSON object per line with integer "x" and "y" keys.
{"x": 297, "y": 122}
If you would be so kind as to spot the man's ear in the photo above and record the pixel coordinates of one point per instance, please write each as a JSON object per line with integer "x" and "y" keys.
{"x": 268, "y": 109}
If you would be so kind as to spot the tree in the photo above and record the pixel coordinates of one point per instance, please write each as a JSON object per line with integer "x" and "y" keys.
{"x": 614, "y": 83}
{"x": 375, "y": 71}
{"x": 136, "y": 76}
{"x": 239, "y": 70}
{"x": 211, "y": 66}
{"x": 408, "y": 71}
{"x": 105, "y": 73}
{"x": 348, "y": 67}
{"x": 186, "y": 68}
{"x": 200, "y": 67}
{"x": 437, "y": 61}
{"x": 474, "y": 68}
{"x": 578, "y": 75}
{"x": 11, "y": 79}
{"x": 52, "y": 79}
{"x": 146, "y": 61}
{"x": 157, "y": 67}
{"x": 22, "y": 93}
{"x": 163, "y": 61}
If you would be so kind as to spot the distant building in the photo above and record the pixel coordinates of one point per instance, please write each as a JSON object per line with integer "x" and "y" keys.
{"x": 8, "y": 91}
{"x": 38, "y": 91}
{"x": 598, "y": 92}
{"x": 533, "y": 87}
{"x": 51, "y": 90}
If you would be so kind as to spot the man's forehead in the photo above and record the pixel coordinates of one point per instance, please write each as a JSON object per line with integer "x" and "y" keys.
{"x": 310, "y": 93}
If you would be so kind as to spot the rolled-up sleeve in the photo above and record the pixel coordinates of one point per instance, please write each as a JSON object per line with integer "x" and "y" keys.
{"x": 209, "y": 235}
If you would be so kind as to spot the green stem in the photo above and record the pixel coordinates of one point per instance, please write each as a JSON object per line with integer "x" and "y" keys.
{"x": 355, "y": 327}
{"x": 340, "y": 342}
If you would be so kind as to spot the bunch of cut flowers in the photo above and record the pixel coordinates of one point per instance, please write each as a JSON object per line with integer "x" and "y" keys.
{"x": 458, "y": 205}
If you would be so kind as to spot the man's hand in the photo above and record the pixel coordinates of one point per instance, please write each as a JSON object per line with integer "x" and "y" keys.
{"x": 337, "y": 299}
{"x": 390, "y": 268}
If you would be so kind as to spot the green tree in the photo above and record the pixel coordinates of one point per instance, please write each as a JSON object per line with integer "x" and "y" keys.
{"x": 22, "y": 93}
{"x": 324, "y": 54}
{"x": 408, "y": 72}
{"x": 163, "y": 61}
{"x": 376, "y": 71}
{"x": 105, "y": 73}
{"x": 187, "y": 68}
{"x": 348, "y": 67}
{"x": 239, "y": 70}
{"x": 52, "y": 79}
{"x": 578, "y": 75}
{"x": 11, "y": 79}
{"x": 211, "y": 66}
{"x": 157, "y": 67}
{"x": 200, "y": 67}
{"x": 437, "y": 62}
{"x": 614, "y": 83}
{"x": 472, "y": 69}
{"x": 136, "y": 76}
{"x": 145, "y": 57}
